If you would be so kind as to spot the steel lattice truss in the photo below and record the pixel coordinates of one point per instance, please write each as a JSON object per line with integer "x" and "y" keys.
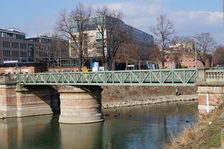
{"x": 158, "y": 77}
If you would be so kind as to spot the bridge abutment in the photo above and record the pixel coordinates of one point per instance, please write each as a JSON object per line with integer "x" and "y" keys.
{"x": 20, "y": 101}
{"x": 80, "y": 105}
{"x": 210, "y": 89}
{"x": 209, "y": 97}
{"x": 8, "y": 101}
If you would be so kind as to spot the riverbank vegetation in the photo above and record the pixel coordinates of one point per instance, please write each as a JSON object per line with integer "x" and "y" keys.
{"x": 205, "y": 134}
{"x": 133, "y": 93}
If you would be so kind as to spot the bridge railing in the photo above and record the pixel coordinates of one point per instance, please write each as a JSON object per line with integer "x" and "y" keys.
{"x": 158, "y": 77}
{"x": 216, "y": 75}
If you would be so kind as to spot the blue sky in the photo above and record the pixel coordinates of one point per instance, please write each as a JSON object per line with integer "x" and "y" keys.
{"x": 36, "y": 17}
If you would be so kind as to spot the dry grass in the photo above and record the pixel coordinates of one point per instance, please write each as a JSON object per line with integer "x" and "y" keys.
{"x": 123, "y": 93}
{"x": 194, "y": 137}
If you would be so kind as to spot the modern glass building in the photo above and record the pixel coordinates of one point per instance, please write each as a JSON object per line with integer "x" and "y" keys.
{"x": 142, "y": 40}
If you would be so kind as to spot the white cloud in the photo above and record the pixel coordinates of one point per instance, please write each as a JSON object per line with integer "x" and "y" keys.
{"x": 142, "y": 14}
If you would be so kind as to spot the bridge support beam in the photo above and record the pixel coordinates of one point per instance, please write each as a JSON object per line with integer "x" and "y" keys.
{"x": 80, "y": 105}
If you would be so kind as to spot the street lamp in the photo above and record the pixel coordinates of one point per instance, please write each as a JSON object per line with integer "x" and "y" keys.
{"x": 196, "y": 56}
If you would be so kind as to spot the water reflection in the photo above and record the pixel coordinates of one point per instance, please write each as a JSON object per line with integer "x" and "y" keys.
{"x": 81, "y": 136}
{"x": 145, "y": 127}
{"x": 38, "y": 132}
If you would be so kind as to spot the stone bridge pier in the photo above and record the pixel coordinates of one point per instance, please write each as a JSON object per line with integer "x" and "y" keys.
{"x": 80, "y": 104}
{"x": 75, "y": 104}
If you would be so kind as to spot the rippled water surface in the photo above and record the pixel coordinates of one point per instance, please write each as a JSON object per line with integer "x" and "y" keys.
{"x": 144, "y": 127}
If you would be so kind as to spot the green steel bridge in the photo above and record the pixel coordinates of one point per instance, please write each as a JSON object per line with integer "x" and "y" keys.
{"x": 156, "y": 77}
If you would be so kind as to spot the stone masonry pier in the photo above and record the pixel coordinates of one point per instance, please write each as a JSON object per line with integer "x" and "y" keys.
{"x": 80, "y": 105}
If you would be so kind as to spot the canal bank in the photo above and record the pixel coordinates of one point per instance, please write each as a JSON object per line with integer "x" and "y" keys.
{"x": 207, "y": 133}
{"x": 115, "y": 97}
{"x": 150, "y": 100}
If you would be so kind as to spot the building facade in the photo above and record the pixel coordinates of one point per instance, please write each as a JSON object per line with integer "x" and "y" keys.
{"x": 183, "y": 55}
{"x": 15, "y": 47}
{"x": 93, "y": 40}
{"x": 50, "y": 50}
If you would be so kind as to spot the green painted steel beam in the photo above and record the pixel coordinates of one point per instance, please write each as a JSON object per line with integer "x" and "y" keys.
{"x": 157, "y": 77}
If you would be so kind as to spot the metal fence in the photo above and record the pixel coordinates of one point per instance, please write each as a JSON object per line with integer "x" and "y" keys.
{"x": 158, "y": 77}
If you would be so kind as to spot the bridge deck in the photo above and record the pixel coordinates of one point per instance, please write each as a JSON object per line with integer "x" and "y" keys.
{"x": 158, "y": 77}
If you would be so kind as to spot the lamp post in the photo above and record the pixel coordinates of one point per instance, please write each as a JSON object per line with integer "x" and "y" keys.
{"x": 196, "y": 56}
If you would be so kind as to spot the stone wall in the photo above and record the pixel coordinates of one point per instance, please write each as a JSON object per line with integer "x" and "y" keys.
{"x": 17, "y": 101}
{"x": 210, "y": 97}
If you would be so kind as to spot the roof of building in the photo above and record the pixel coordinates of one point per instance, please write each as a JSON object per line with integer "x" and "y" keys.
{"x": 13, "y": 31}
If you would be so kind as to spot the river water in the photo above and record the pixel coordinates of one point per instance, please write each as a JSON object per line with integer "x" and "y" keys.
{"x": 143, "y": 127}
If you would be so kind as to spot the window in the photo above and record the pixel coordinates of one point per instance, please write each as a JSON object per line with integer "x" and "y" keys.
{"x": 15, "y": 53}
{"x": 22, "y": 46}
{"x": 99, "y": 43}
{"x": 6, "y": 53}
{"x": 23, "y": 54}
{"x": 6, "y": 44}
{"x": 15, "y": 45}
{"x": 98, "y": 35}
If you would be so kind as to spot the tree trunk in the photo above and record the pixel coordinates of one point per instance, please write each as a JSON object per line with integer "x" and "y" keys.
{"x": 203, "y": 63}
{"x": 109, "y": 64}
{"x": 163, "y": 65}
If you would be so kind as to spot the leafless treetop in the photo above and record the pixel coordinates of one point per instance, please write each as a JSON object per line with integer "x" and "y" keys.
{"x": 163, "y": 31}
{"x": 204, "y": 42}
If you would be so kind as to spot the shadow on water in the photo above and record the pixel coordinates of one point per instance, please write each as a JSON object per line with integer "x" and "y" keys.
{"x": 145, "y": 127}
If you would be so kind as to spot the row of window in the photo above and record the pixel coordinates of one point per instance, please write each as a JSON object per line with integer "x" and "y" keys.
{"x": 7, "y": 44}
{"x": 11, "y": 35}
{"x": 14, "y": 53}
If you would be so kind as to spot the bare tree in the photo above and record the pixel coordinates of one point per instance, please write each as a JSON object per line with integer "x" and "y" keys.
{"x": 204, "y": 45}
{"x": 127, "y": 53}
{"x": 218, "y": 56}
{"x": 109, "y": 27}
{"x": 163, "y": 33}
{"x": 74, "y": 26}
{"x": 60, "y": 49}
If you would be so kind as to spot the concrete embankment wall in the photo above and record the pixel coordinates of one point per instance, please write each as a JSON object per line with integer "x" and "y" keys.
{"x": 118, "y": 96}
